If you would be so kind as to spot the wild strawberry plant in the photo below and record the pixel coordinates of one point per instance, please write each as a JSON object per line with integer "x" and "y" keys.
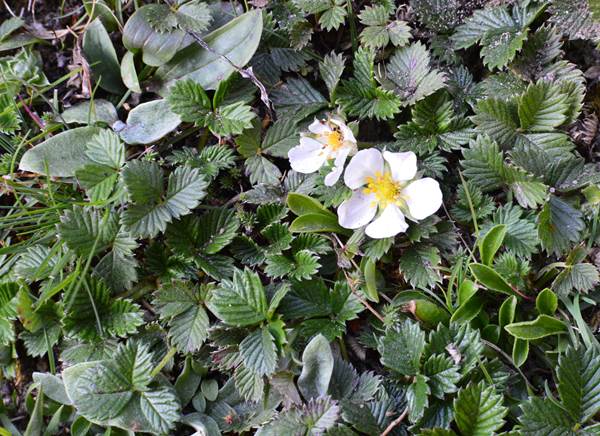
{"x": 321, "y": 217}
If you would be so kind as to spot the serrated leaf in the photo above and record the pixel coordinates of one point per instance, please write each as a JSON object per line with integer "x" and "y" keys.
{"x": 410, "y": 76}
{"x": 417, "y": 397}
{"x": 258, "y": 352}
{"x": 443, "y": 375}
{"x": 401, "y": 348}
{"x": 544, "y": 416}
{"x": 188, "y": 100}
{"x": 151, "y": 211}
{"x": 559, "y": 225}
{"x": 241, "y": 301}
{"x": 578, "y": 376}
{"x": 478, "y": 410}
{"x": 542, "y": 107}
{"x": 418, "y": 264}
{"x": 331, "y": 69}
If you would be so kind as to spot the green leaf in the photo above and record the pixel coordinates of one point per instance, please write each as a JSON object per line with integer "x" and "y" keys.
{"x": 478, "y": 410}
{"x": 520, "y": 351}
{"x": 317, "y": 367}
{"x": 92, "y": 313}
{"x": 331, "y": 69}
{"x": 101, "y": 56}
{"x": 152, "y": 208}
{"x": 317, "y": 223}
{"x": 231, "y": 119}
{"x": 546, "y": 302}
{"x": 249, "y": 383}
{"x": 258, "y": 352}
{"x": 91, "y": 112}
{"x": 334, "y": 16}
{"x": 443, "y": 375}
{"x": 303, "y": 265}
{"x": 261, "y": 170}
{"x": 302, "y": 204}
{"x": 8, "y": 311}
{"x": 544, "y": 416}
{"x": 521, "y": 236}
{"x": 542, "y": 107}
{"x": 361, "y": 96}
{"x": 540, "y": 327}
{"x": 148, "y": 122}
{"x": 210, "y": 233}
{"x": 582, "y": 277}
{"x": 418, "y": 265}
{"x": 188, "y": 100}
{"x": 117, "y": 392}
{"x": 410, "y": 76}
{"x": 60, "y": 155}
{"x": 237, "y": 41}
{"x": 158, "y": 45}
{"x": 491, "y": 279}
{"x": 241, "y": 301}
{"x": 401, "y": 348}
{"x": 417, "y": 397}
{"x": 491, "y": 242}
{"x": 559, "y": 225}
{"x": 128, "y": 74}
{"x": 578, "y": 376}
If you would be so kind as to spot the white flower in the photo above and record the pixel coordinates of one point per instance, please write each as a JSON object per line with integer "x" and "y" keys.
{"x": 384, "y": 183}
{"x": 328, "y": 139}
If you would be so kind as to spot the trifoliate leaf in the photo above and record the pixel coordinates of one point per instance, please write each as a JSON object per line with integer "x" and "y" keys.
{"x": 91, "y": 312}
{"x": 182, "y": 307}
{"x": 152, "y": 207}
{"x": 188, "y": 100}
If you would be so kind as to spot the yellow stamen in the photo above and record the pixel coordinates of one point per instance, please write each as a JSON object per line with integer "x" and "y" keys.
{"x": 386, "y": 190}
{"x": 334, "y": 140}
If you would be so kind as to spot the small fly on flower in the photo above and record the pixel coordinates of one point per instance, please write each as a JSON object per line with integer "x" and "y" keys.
{"x": 385, "y": 185}
{"x": 326, "y": 140}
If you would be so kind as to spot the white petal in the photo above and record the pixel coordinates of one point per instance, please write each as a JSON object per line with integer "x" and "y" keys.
{"x": 338, "y": 166}
{"x": 364, "y": 164}
{"x": 388, "y": 224}
{"x": 347, "y": 134}
{"x": 307, "y": 157}
{"x": 357, "y": 211}
{"x": 402, "y": 165}
{"x": 423, "y": 197}
{"x": 318, "y": 127}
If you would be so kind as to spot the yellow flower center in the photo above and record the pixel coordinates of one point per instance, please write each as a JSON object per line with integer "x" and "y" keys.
{"x": 386, "y": 190}
{"x": 334, "y": 140}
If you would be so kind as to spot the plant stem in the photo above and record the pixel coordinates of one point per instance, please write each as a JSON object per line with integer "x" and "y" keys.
{"x": 158, "y": 368}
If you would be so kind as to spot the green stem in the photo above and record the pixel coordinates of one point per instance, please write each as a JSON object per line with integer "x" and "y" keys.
{"x": 158, "y": 368}
{"x": 352, "y": 22}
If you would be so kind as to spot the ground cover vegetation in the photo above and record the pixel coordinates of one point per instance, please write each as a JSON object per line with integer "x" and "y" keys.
{"x": 300, "y": 217}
